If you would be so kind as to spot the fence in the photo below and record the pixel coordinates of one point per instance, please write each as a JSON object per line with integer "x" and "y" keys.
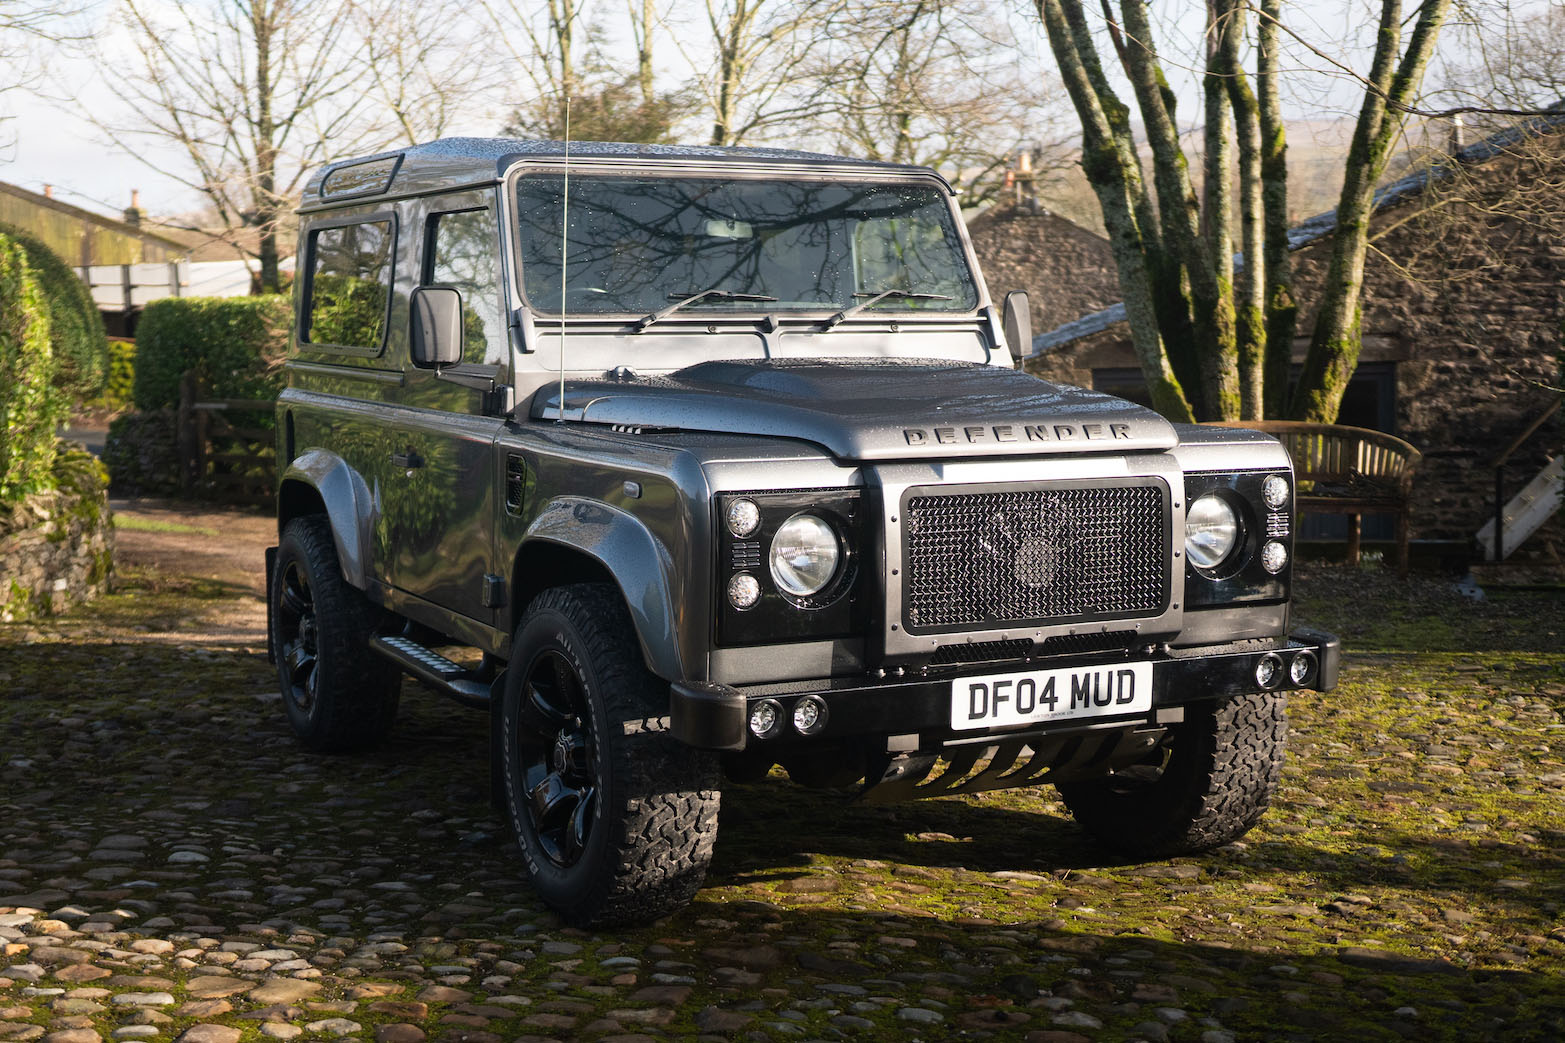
{"x": 219, "y": 457}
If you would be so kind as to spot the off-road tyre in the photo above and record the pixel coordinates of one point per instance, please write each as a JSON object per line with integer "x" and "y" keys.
{"x": 338, "y": 694}
{"x": 649, "y": 804}
{"x": 1209, "y": 787}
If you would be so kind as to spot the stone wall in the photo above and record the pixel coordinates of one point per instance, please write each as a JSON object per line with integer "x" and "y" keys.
{"x": 56, "y": 548}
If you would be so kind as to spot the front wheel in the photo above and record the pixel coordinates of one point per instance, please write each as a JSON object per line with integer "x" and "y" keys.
{"x": 616, "y": 820}
{"x": 1207, "y": 786}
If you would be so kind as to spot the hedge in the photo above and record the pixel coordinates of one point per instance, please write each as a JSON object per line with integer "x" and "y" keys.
{"x": 31, "y": 405}
{"x": 81, "y": 350}
{"x": 234, "y": 344}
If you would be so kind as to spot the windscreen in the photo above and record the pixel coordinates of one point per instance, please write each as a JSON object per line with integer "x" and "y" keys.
{"x": 638, "y": 244}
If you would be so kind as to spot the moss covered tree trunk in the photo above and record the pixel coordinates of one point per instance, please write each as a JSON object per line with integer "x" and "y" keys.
{"x": 1338, "y": 336}
{"x": 1227, "y": 20}
{"x": 1277, "y": 300}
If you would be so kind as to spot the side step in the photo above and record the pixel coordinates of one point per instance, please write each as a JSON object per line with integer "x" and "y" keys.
{"x": 435, "y": 670}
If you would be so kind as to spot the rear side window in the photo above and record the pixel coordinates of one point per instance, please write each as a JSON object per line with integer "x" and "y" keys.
{"x": 462, "y": 252}
{"x": 350, "y": 285}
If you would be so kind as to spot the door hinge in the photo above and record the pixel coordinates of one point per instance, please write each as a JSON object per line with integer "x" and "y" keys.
{"x": 494, "y": 591}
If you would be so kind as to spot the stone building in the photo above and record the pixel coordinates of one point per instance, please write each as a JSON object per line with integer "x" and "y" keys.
{"x": 1464, "y": 300}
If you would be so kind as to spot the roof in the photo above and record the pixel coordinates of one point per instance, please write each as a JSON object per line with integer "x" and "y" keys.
{"x": 1066, "y": 270}
{"x": 82, "y": 237}
{"x": 1321, "y": 226}
{"x": 449, "y": 162}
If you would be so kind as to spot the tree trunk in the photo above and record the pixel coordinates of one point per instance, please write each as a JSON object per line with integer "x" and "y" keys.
{"x": 267, "y": 208}
{"x": 1249, "y": 326}
{"x": 1113, "y": 171}
{"x": 1281, "y": 309}
{"x": 1335, "y": 345}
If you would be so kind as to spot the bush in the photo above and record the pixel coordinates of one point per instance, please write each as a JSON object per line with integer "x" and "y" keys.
{"x": 31, "y": 406}
{"x": 122, "y": 373}
{"x": 234, "y": 344}
{"x": 142, "y": 453}
{"x": 81, "y": 350}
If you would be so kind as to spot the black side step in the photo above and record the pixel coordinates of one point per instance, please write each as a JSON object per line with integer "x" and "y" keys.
{"x": 435, "y": 670}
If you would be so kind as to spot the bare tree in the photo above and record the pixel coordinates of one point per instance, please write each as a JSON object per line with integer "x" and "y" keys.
{"x": 1204, "y": 351}
{"x": 933, "y": 82}
{"x": 27, "y": 26}
{"x": 760, "y": 76}
{"x": 416, "y": 71}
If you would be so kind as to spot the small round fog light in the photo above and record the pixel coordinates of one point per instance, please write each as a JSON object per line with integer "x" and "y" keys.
{"x": 744, "y": 590}
{"x": 809, "y": 715}
{"x": 1274, "y": 556}
{"x": 1302, "y": 670}
{"x": 744, "y": 517}
{"x": 764, "y": 718}
{"x": 1268, "y": 670}
{"x": 1275, "y": 491}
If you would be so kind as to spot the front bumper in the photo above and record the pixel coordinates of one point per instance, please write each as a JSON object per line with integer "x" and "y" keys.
{"x": 913, "y": 712}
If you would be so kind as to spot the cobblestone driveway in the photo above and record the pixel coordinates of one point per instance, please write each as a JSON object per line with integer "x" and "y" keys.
{"x": 173, "y": 866}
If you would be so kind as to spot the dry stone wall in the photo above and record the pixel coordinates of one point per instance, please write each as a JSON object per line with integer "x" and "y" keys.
{"x": 56, "y": 548}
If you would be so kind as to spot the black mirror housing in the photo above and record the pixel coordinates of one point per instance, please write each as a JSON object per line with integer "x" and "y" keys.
{"x": 1017, "y": 320}
{"x": 437, "y": 326}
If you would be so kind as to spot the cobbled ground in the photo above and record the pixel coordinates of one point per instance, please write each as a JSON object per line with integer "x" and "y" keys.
{"x": 174, "y": 866}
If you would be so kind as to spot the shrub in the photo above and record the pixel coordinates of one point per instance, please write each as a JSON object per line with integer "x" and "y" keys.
{"x": 233, "y": 343}
{"x": 81, "y": 350}
{"x": 142, "y": 453}
{"x": 122, "y": 373}
{"x": 31, "y": 405}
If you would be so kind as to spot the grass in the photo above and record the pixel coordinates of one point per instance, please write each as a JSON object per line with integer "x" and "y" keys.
{"x": 131, "y": 523}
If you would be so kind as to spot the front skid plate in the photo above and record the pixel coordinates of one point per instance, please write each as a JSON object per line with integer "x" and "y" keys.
{"x": 1033, "y": 761}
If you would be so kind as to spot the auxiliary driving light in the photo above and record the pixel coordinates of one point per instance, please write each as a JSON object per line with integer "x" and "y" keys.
{"x": 744, "y": 590}
{"x": 1302, "y": 669}
{"x": 1273, "y": 557}
{"x": 809, "y": 715}
{"x": 1268, "y": 671}
{"x": 1275, "y": 491}
{"x": 764, "y": 718}
{"x": 744, "y": 517}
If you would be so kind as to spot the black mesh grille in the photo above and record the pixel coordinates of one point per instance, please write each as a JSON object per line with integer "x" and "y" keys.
{"x": 981, "y": 652}
{"x": 1034, "y": 555}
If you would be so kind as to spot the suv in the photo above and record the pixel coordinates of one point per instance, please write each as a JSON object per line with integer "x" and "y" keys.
{"x": 693, "y": 461}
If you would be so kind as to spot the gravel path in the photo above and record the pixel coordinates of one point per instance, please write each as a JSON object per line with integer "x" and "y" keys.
{"x": 172, "y": 866}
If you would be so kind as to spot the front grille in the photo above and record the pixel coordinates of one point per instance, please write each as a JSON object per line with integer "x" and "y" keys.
{"x": 1033, "y": 555}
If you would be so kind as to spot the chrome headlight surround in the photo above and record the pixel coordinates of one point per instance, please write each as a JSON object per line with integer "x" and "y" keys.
{"x": 803, "y": 551}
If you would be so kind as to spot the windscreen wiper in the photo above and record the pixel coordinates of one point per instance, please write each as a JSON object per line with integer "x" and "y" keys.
{"x": 715, "y": 293}
{"x": 874, "y": 298}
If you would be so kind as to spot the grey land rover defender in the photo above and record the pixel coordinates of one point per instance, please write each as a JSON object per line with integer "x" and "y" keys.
{"x": 685, "y": 461}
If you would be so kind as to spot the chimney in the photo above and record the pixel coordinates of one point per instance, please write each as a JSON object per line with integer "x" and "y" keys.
{"x": 1455, "y": 144}
{"x": 48, "y": 191}
{"x": 133, "y": 212}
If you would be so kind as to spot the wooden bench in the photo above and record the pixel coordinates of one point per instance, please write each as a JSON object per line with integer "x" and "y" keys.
{"x": 1347, "y": 470}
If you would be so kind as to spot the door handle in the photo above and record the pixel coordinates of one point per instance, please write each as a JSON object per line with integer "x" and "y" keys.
{"x": 408, "y": 460}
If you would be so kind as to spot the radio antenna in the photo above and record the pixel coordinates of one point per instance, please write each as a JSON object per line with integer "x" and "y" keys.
{"x": 565, "y": 241}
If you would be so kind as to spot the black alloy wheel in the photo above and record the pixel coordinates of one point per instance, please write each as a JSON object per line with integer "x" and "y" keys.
{"x": 298, "y": 648}
{"x": 558, "y": 759}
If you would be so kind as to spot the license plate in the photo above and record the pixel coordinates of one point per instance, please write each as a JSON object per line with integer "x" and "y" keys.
{"x": 1039, "y": 696}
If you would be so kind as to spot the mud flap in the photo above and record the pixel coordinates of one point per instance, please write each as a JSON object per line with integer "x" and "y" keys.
{"x": 271, "y": 568}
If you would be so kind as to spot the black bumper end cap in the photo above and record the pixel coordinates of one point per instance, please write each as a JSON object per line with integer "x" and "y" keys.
{"x": 1328, "y": 648}
{"x": 707, "y": 715}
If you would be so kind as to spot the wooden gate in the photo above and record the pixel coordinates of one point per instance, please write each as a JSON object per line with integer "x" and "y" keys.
{"x": 227, "y": 447}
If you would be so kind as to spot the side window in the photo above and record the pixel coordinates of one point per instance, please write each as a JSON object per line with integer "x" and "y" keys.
{"x": 350, "y": 285}
{"x": 461, "y": 251}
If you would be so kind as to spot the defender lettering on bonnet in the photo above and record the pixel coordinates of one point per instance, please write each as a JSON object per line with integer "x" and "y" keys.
{"x": 979, "y": 433}
{"x": 670, "y": 542}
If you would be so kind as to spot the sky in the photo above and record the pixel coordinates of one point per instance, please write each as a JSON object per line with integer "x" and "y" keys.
{"x": 48, "y": 140}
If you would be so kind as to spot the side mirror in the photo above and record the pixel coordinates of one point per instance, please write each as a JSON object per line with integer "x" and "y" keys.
{"x": 1017, "y": 319}
{"x": 437, "y": 326}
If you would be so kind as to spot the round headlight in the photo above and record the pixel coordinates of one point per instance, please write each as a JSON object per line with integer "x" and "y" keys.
{"x": 1275, "y": 491}
{"x": 1211, "y": 531}
{"x": 805, "y": 554}
{"x": 744, "y": 517}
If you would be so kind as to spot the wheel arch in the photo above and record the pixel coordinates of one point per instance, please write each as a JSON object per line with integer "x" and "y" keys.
{"x": 320, "y": 482}
{"x": 577, "y": 540}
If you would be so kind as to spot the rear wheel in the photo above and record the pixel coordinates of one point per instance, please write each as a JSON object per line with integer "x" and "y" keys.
{"x": 616, "y": 819}
{"x": 337, "y": 693}
{"x": 1213, "y": 780}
